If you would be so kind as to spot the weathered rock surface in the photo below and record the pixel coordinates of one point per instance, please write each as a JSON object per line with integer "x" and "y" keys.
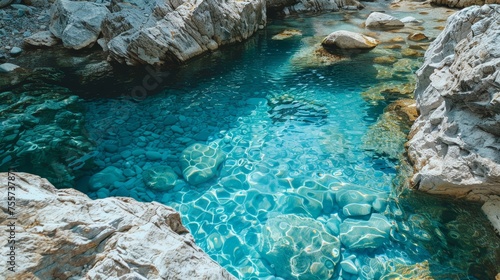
{"x": 44, "y": 128}
{"x": 41, "y": 39}
{"x": 77, "y": 23}
{"x": 301, "y": 246}
{"x": 64, "y": 234}
{"x": 175, "y": 31}
{"x": 454, "y": 144}
{"x": 463, "y": 3}
{"x": 349, "y": 40}
{"x": 377, "y": 20}
{"x": 200, "y": 162}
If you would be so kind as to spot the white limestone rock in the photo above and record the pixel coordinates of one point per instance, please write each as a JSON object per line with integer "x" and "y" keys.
{"x": 175, "y": 31}
{"x": 454, "y": 146}
{"x": 377, "y": 20}
{"x": 343, "y": 39}
{"x": 63, "y": 234}
{"x": 77, "y": 23}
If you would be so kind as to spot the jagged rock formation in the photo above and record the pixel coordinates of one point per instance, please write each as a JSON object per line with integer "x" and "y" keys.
{"x": 175, "y": 31}
{"x": 463, "y": 3}
{"x": 63, "y": 234}
{"x": 454, "y": 146}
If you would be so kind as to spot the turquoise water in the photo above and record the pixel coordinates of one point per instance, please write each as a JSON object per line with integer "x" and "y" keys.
{"x": 293, "y": 189}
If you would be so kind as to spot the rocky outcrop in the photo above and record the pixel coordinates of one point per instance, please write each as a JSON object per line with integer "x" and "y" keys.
{"x": 377, "y": 20}
{"x": 454, "y": 144}
{"x": 63, "y": 234}
{"x": 463, "y": 3}
{"x": 77, "y": 23}
{"x": 175, "y": 31}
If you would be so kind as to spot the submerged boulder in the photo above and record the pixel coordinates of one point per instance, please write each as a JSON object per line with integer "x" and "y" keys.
{"x": 299, "y": 248}
{"x": 361, "y": 234}
{"x": 377, "y": 20}
{"x": 454, "y": 143}
{"x": 67, "y": 235}
{"x": 160, "y": 178}
{"x": 77, "y": 23}
{"x": 346, "y": 40}
{"x": 200, "y": 163}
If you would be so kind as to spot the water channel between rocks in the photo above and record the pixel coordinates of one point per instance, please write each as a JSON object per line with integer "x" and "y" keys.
{"x": 280, "y": 164}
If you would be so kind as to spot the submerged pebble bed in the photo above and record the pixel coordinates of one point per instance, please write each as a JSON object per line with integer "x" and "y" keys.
{"x": 282, "y": 165}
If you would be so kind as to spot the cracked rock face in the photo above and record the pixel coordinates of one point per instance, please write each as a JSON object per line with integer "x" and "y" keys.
{"x": 63, "y": 234}
{"x": 455, "y": 143}
{"x": 175, "y": 31}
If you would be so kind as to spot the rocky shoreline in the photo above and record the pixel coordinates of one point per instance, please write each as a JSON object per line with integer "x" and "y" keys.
{"x": 453, "y": 144}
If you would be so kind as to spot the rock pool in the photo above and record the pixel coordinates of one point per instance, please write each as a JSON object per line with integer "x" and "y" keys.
{"x": 282, "y": 161}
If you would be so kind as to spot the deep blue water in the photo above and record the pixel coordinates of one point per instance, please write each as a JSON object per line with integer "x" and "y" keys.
{"x": 293, "y": 136}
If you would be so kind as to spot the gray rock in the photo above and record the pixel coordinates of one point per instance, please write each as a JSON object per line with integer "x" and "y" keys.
{"x": 377, "y": 20}
{"x": 5, "y": 3}
{"x": 349, "y": 40}
{"x": 360, "y": 234}
{"x": 8, "y": 67}
{"x": 301, "y": 246}
{"x": 77, "y": 23}
{"x": 42, "y": 38}
{"x": 15, "y": 51}
{"x": 454, "y": 143}
{"x": 200, "y": 163}
{"x": 77, "y": 230}
{"x": 151, "y": 155}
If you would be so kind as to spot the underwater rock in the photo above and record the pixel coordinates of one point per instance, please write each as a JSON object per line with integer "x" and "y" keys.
{"x": 357, "y": 209}
{"x": 377, "y": 20}
{"x": 289, "y": 33}
{"x": 346, "y": 40}
{"x": 44, "y": 129}
{"x": 77, "y": 23}
{"x": 454, "y": 143}
{"x": 65, "y": 234}
{"x": 159, "y": 32}
{"x": 299, "y": 248}
{"x": 106, "y": 178}
{"x": 349, "y": 267}
{"x": 8, "y": 67}
{"x": 160, "y": 178}
{"x": 286, "y": 108}
{"x": 417, "y": 37}
{"x": 41, "y": 39}
{"x": 388, "y": 135}
{"x": 200, "y": 162}
{"x": 360, "y": 234}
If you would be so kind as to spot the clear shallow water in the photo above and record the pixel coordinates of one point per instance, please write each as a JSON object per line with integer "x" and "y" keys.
{"x": 294, "y": 144}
